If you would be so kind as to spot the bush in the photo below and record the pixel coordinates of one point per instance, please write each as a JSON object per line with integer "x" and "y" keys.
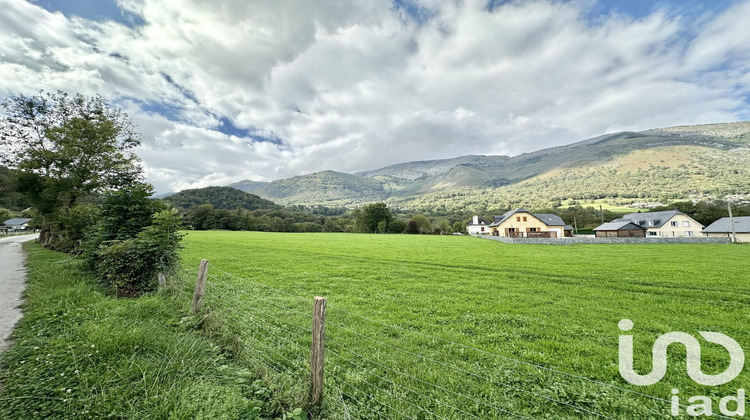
{"x": 130, "y": 267}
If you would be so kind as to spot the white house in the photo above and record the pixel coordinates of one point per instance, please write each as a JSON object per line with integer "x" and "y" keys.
{"x": 671, "y": 223}
{"x": 478, "y": 226}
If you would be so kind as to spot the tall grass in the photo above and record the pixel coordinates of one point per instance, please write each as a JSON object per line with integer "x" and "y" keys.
{"x": 79, "y": 354}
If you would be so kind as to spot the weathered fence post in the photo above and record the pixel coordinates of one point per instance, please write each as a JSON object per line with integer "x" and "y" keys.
{"x": 162, "y": 280}
{"x": 200, "y": 286}
{"x": 317, "y": 359}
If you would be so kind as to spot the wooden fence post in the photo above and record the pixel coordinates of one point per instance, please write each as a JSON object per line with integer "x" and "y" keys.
{"x": 200, "y": 286}
{"x": 317, "y": 359}
{"x": 162, "y": 280}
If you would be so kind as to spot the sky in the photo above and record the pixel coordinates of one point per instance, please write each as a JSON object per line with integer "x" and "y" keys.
{"x": 227, "y": 90}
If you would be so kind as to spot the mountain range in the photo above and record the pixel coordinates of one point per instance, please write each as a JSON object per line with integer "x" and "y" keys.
{"x": 667, "y": 164}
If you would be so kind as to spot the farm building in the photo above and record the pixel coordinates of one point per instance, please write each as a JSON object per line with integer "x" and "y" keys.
{"x": 620, "y": 229}
{"x": 722, "y": 227}
{"x": 671, "y": 223}
{"x": 478, "y": 226}
{"x": 17, "y": 224}
{"x": 520, "y": 223}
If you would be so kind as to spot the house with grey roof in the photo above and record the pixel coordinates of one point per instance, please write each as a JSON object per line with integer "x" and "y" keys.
{"x": 520, "y": 223}
{"x": 722, "y": 228}
{"x": 620, "y": 229}
{"x": 17, "y": 224}
{"x": 672, "y": 223}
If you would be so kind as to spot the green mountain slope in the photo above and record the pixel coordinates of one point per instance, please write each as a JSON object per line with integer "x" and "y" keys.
{"x": 324, "y": 188}
{"x": 221, "y": 198}
{"x": 705, "y": 161}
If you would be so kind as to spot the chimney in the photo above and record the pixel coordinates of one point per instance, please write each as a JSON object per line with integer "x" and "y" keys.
{"x": 476, "y": 220}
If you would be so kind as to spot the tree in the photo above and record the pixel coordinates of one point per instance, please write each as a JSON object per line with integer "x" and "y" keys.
{"x": 423, "y": 222}
{"x": 66, "y": 148}
{"x": 369, "y": 216}
{"x": 459, "y": 227}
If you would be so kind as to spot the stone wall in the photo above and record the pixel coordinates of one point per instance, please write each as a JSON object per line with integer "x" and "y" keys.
{"x": 591, "y": 240}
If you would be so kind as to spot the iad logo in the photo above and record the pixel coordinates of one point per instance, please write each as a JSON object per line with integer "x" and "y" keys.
{"x": 693, "y": 363}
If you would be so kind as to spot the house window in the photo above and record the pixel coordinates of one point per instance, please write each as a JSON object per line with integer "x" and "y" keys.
{"x": 652, "y": 233}
{"x": 532, "y": 229}
{"x": 673, "y": 224}
{"x": 524, "y": 218}
{"x": 689, "y": 233}
{"x": 482, "y": 228}
{"x": 650, "y": 222}
{"x": 518, "y": 219}
{"x": 685, "y": 223}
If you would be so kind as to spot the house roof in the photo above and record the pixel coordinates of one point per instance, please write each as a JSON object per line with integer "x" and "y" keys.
{"x": 655, "y": 219}
{"x": 550, "y": 219}
{"x": 619, "y": 224}
{"x": 482, "y": 222}
{"x": 16, "y": 221}
{"x": 568, "y": 227}
{"x": 500, "y": 219}
{"x": 547, "y": 219}
{"x": 741, "y": 225}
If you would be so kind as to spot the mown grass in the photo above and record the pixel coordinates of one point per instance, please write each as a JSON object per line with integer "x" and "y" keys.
{"x": 79, "y": 354}
{"x": 551, "y": 306}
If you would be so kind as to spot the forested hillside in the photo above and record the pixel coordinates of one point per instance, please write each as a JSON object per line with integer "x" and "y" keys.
{"x": 220, "y": 198}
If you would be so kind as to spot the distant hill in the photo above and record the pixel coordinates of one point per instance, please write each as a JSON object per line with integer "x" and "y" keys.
{"x": 247, "y": 185}
{"x": 664, "y": 164}
{"x": 221, "y": 198}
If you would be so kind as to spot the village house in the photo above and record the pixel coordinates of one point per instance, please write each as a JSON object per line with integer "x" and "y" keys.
{"x": 18, "y": 224}
{"x": 722, "y": 228}
{"x": 671, "y": 223}
{"x": 520, "y": 223}
{"x": 621, "y": 229}
{"x": 478, "y": 226}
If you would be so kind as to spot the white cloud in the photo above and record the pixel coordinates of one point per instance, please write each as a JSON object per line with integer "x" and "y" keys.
{"x": 353, "y": 85}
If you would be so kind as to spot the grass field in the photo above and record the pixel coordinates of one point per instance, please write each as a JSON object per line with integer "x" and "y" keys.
{"x": 80, "y": 354}
{"x": 460, "y": 327}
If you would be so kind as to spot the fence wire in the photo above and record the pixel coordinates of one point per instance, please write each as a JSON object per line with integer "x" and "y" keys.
{"x": 379, "y": 370}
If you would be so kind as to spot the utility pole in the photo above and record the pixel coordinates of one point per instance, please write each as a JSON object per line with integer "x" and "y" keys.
{"x": 731, "y": 222}
{"x": 601, "y": 212}
{"x": 575, "y": 225}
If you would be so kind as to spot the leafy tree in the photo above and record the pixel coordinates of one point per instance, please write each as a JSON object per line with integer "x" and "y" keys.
{"x": 444, "y": 226}
{"x": 425, "y": 226}
{"x": 412, "y": 227}
{"x": 459, "y": 227}
{"x": 66, "y": 148}
{"x": 370, "y": 215}
{"x": 397, "y": 226}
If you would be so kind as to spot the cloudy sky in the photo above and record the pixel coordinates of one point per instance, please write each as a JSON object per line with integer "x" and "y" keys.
{"x": 226, "y": 90}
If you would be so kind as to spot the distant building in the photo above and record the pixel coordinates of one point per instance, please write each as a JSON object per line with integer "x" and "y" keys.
{"x": 18, "y": 224}
{"x": 520, "y": 223}
{"x": 478, "y": 226}
{"x": 722, "y": 227}
{"x": 620, "y": 229}
{"x": 671, "y": 223}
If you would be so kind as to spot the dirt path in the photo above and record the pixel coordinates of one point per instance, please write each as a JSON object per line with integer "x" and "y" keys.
{"x": 12, "y": 284}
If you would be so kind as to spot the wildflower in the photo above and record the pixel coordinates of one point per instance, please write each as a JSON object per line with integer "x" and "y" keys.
{"x": 93, "y": 345}
{"x": 36, "y": 348}
{"x": 23, "y": 361}
{"x": 69, "y": 391}
{"x": 76, "y": 372}
{"x": 62, "y": 374}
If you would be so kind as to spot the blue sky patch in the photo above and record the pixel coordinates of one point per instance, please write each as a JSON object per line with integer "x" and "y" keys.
{"x": 92, "y": 10}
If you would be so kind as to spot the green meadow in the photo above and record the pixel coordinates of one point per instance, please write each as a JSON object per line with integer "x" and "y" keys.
{"x": 458, "y": 327}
